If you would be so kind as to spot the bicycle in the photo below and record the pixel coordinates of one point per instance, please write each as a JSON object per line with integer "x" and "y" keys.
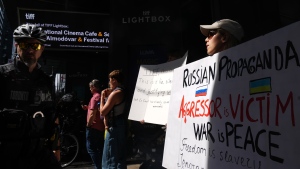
{"x": 70, "y": 116}
{"x": 69, "y": 146}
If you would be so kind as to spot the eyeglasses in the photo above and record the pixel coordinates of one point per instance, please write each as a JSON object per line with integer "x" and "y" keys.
{"x": 34, "y": 46}
{"x": 211, "y": 33}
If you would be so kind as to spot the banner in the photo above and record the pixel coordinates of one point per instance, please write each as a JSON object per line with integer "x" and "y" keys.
{"x": 238, "y": 108}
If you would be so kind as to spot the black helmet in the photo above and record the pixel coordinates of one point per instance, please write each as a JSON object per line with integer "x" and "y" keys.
{"x": 68, "y": 104}
{"x": 30, "y": 31}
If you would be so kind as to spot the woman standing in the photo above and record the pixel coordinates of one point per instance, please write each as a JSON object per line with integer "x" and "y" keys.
{"x": 221, "y": 35}
{"x": 112, "y": 106}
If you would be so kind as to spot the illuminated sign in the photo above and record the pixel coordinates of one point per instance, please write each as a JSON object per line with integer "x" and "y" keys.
{"x": 146, "y": 18}
{"x": 70, "y": 30}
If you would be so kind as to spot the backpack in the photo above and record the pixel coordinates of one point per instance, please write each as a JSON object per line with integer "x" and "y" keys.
{"x": 18, "y": 124}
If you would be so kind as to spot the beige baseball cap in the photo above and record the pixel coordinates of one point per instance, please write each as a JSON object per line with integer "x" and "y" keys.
{"x": 229, "y": 25}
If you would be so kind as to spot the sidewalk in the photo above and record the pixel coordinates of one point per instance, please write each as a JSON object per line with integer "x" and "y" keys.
{"x": 89, "y": 165}
{"x": 133, "y": 166}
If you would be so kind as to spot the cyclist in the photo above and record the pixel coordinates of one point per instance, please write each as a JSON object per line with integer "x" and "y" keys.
{"x": 25, "y": 87}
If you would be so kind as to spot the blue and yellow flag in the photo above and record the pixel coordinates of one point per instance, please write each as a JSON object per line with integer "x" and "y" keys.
{"x": 260, "y": 85}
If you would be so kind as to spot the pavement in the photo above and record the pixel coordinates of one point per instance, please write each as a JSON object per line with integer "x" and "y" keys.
{"x": 89, "y": 165}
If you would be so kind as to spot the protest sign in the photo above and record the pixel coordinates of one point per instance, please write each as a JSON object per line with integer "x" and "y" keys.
{"x": 238, "y": 108}
{"x": 152, "y": 92}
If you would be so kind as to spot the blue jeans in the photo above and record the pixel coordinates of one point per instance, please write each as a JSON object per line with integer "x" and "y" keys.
{"x": 114, "y": 152}
{"x": 94, "y": 145}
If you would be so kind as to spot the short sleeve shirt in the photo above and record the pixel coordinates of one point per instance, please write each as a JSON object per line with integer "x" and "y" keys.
{"x": 93, "y": 104}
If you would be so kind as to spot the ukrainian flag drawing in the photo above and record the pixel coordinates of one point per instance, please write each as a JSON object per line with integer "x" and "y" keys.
{"x": 260, "y": 85}
{"x": 201, "y": 91}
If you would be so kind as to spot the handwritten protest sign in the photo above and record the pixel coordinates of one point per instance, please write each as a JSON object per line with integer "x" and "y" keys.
{"x": 152, "y": 92}
{"x": 239, "y": 108}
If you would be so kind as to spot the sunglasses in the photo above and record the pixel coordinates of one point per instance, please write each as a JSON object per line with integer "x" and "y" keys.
{"x": 211, "y": 33}
{"x": 34, "y": 46}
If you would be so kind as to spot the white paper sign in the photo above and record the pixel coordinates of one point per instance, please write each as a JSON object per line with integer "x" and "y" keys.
{"x": 239, "y": 108}
{"x": 152, "y": 92}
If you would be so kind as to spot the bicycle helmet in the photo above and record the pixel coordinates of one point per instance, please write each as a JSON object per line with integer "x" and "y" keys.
{"x": 69, "y": 105}
{"x": 30, "y": 31}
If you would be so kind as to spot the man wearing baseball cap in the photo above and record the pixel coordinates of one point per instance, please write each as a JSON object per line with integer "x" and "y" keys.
{"x": 222, "y": 35}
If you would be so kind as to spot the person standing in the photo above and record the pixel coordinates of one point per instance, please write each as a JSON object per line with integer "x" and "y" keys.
{"x": 221, "y": 35}
{"x": 27, "y": 89}
{"x": 112, "y": 106}
{"x": 94, "y": 125}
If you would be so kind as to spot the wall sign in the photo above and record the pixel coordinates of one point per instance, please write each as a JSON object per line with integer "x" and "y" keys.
{"x": 70, "y": 30}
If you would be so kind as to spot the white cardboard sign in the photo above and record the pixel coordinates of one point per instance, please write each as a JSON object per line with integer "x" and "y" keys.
{"x": 152, "y": 92}
{"x": 239, "y": 108}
